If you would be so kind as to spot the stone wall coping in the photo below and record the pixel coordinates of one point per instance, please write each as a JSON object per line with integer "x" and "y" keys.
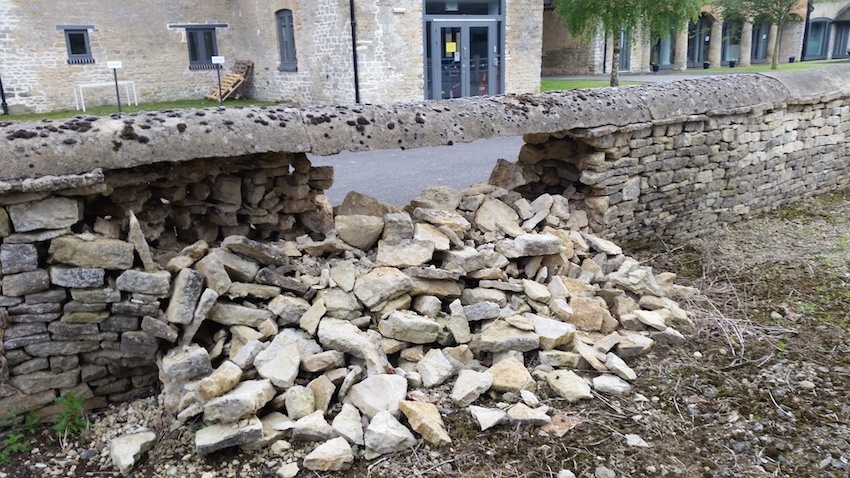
{"x": 49, "y": 154}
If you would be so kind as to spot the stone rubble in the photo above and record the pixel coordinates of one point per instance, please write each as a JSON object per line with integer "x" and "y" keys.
{"x": 330, "y": 337}
{"x": 455, "y": 297}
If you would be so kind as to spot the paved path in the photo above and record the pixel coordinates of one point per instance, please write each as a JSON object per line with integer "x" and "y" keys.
{"x": 397, "y": 176}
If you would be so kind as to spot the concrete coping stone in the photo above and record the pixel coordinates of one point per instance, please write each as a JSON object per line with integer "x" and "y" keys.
{"x": 77, "y": 152}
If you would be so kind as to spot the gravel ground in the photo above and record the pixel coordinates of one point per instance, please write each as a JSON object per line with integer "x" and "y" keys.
{"x": 759, "y": 389}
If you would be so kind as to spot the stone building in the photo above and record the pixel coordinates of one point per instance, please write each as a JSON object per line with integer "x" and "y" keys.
{"x": 710, "y": 39}
{"x": 406, "y": 50}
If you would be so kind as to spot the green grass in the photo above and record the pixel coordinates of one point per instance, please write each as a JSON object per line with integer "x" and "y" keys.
{"x": 110, "y": 109}
{"x": 557, "y": 85}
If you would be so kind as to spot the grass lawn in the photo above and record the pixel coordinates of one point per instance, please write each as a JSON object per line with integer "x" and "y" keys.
{"x": 110, "y": 109}
{"x": 550, "y": 85}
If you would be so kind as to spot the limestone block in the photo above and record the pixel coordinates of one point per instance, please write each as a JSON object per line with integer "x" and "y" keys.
{"x": 49, "y": 213}
{"x": 91, "y": 251}
{"x": 16, "y": 258}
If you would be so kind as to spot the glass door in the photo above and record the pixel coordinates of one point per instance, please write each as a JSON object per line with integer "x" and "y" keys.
{"x": 462, "y": 59}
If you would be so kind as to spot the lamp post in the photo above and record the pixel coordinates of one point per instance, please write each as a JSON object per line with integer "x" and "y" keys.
{"x": 3, "y": 97}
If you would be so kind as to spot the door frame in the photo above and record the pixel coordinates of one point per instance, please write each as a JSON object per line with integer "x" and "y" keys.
{"x": 437, "y": 25}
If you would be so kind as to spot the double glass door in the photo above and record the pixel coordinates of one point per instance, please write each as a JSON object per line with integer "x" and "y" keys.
{"x": 463, "y": 59}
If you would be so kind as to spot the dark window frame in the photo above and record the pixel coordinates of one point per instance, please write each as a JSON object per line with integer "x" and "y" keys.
{"x": 286, "y": 40}
{"x": 199, "y": 57}
{"x": 77, "y": 57}
{"x": 825, "y": 25}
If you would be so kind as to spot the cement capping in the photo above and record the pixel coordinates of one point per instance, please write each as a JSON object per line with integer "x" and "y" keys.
{"x": 85, "y": 143}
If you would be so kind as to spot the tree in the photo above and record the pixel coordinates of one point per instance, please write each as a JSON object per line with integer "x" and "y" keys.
{"x": 585, "y": 18}
{"x": 775, "y": 12}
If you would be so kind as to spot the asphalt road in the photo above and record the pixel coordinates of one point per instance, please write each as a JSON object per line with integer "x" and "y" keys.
{"x": 397, "y": 176}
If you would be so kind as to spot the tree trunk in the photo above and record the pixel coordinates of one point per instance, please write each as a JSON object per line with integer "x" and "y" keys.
{"x": 615, "y": 60}
{"x": 774, "y": 62}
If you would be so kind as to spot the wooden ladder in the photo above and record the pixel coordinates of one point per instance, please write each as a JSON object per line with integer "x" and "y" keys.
{"x": 231, "y": 83}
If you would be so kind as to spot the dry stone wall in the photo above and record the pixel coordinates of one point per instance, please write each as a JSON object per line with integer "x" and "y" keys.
{"x": 94, "y": 213}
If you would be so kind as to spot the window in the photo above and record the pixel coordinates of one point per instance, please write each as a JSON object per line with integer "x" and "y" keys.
{"x": 286, "y": 41}
{"x": 200, "y": 38}
{"x": 77, "y": 43}
{"x": 818, "y": 41}
{"x": 842, "y": 35}
{"x": 202, "y": 47}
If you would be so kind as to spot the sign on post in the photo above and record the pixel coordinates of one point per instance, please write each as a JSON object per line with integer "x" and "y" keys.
{"x": 218, "y": 61}
{"x": 115, "y": 65}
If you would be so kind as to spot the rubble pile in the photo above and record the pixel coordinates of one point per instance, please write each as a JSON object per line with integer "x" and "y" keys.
{"x": 356, "y": 337}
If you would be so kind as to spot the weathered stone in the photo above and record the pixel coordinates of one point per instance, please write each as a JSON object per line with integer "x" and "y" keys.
{"x": 344, "y": 274}
{"x": 559, "y": 358}
{"x": 243, "y": 401}
{"x": 309, "y": 320}
{"x": 385, "y": 434}
{"x": 279, "y": 362}
{"x": 159, "y": 329}
{"x": 407, "y": 253}
{"x": 184, "y": 299}
{"x": 244, "y": 358}
{"x": 424, "y": 419}
{"x": 40, "y": 381}
{"x": 359, "y": 231}
{"x": 69, "y": 347}
{"x": 287, "y": 284}
{"x": 49, "y": 213}
{"x": 288, "y": 309}
{"x": 530, "y": 245}
{"x": 16, "y": 258}
{"x": 495, "y": 216}
{"x": 552, "y": 333}
{"x": 481, "y": 311}
{"x": 339, "y": 303}
{"x": 651, "y": 319}
{"x": 348, "y": 424}
{"x": 444, "y": 289}
{"x": 409, "y": 327}
{"x": 469, "y": 386}
{"x": 378, "y": 393}
{"x": 343, "y": 336}
{"x": 152, "y": 283}
{"x": 139, "y": 344}
{"x": 266, "y": 254}
{"x": 320, "y": 362}
{"x": 633, "y": 277}
{"x": 24, "y": 283}
{"x": 299, "y": 401}
{"x": 313, "y": 427}
{"x": 480, "y": 294}
{"x": 232, "y": 314}
{"x": 669, "y": 336}
{"x": 333, "y": 455}
{"x": 429, "y": 233}
{"x": 216, "y": 437}
{"x": 536, "y": 291}
{"x": 221, "y": 381}
{"x": 91, "y": 251}
{"x": 619, "y": 367}
{"x": 568, "y": 385}
{"x": 237, "y": 267}
{"x": 323, "y": 390}
{"x": 5, "y": 223}
{"x": 488, "y": 417}
{"x": 214, "y": 273}
{"x": 437, "y": 217}
{"x": 126, "y": 450}
{"x": 510, "y": 375}
{"x": 380, "y": 285}
{"x": 434, "y": 368}
{"x": 523, "y": 414}
{"x": 502, "y": 337}
{"x": 77, "y": 277}
{"x": 589, "y": 313}
{"x": 187, "y": 362}
{"x": 611, "y": 385}
{"x": 466, "y": 258}
{"x": 427, "y": 305}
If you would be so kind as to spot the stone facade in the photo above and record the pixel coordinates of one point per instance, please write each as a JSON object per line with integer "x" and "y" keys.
{"x": 91, "y": 208}
{"x": 564, "y": 55}
{"x": 37, "y": 77}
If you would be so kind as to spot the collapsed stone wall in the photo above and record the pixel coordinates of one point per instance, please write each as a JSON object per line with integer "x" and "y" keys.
{"x": 85, "y": 302}
{"x": 82, "y": 292}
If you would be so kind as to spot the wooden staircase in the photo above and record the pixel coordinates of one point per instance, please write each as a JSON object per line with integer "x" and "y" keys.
{"x": 231, "y": 83}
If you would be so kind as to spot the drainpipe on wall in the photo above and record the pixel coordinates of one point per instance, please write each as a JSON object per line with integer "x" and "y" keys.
{"x": 809, "y": 8}
{"x": 3, "y": 97}
{"x": 354, "y": 52}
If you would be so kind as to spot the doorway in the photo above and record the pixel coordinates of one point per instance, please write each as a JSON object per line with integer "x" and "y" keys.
{"x": 462, "y": 58}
